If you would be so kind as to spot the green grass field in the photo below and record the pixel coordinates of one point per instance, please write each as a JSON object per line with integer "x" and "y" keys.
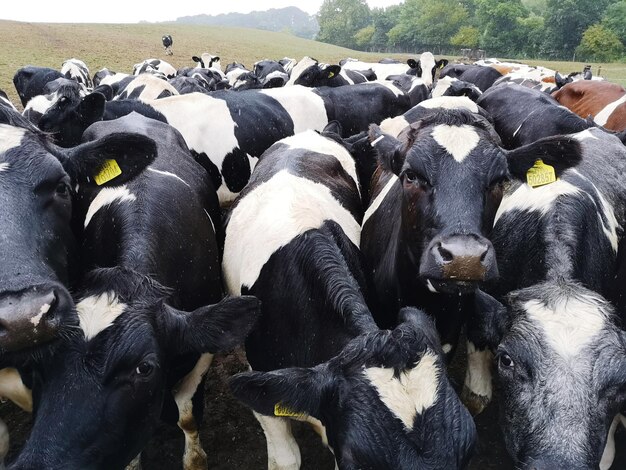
{"x": 118, "y": 47}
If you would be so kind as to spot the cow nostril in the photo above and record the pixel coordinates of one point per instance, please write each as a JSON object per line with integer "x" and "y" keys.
{"x": 483, "y": 256}
{"x": 446, "y": 255}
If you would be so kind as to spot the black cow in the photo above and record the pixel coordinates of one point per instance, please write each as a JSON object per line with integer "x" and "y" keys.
{"x": 523, "y": 115}
{"x": 135, "y": 345}
{"x": 482, "y": 77}
{"x": 561, "y": 356}
{"x": 425, "y": 236}
{"x": 309, "y": 72}
{"x": 29, "y": 81}
{"x": 167, "y": 44}
{"x": 316, "y": 353}
{"x": 37, "y": 247}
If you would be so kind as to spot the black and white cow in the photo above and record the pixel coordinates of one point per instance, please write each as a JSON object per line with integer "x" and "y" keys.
{"x": 270, "y": 71}
{"x": 523, "y": 115}
{"x": 76, "y": 69}
{"x": 425, "y": 236}
{"x": 229, "y": 131}
{"x": 482, "y": 77}
{"x": 135, "y": 347}
{"x": 309, "y": 72}
{"x": 561, "y": 356}
{"x": 37, "y": 248}
{"x": 426, "y": 67}
{"x": 155, "y": 66}
{"x": 450, "y": 86}
{"x": 317, "y": 354}
{"x": 144, "y": 87}
{"x": 210, "y": 79}
{"x": 234, "y": 70}
{"x": 288, "y": 64}
{"x": 208, "y": 61}
{"x": 30, "y": 81}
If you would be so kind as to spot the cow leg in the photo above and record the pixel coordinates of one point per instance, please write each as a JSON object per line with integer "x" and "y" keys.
{"x": 135, "y": 464}
{"x": 283, "y": 452}
{"x": 609, "y": 449}
{"x": 4, "y": 443}
{"x": 477, "y": 389}
{"x": 194, "y": 457}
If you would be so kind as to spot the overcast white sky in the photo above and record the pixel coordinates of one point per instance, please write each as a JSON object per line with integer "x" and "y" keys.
{"x": 133, "y": 11}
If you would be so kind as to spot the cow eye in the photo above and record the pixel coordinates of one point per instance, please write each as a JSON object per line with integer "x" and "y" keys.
{"x": 505, "y": 361}
{"x": 144, "y": 369}
{"x": 62, "y": 189}
{"x": 412, "y": 176}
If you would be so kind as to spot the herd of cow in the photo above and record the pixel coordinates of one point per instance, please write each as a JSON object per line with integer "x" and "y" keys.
{"x": 359, "y": 216}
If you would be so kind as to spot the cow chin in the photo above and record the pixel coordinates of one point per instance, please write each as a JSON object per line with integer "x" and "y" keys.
{"x": 450, "y": 286}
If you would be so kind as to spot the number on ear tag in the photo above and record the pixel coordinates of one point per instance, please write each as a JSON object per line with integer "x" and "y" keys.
{"x": 540, "y": 174}
{"x": 109, "y": 170}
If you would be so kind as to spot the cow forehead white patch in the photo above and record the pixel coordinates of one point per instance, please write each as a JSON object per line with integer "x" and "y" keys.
{"x": 96, "y": 313}
{"x": 459, "y": 141}
{"x": 413, "y": 392}
{"x": 107, "y": 196}
{"x": 442, "y": 86}
{"x": 40, "y": 103}
{"x": 10, "y": 137}
{"x": 394, "y": 126}
{"x": 539, "y": 199}
{"x": 570, "y": 323}
{"x": 300, "y": 67}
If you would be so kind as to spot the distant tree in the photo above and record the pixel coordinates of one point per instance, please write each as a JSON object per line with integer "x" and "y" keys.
{"x": 531, "y": 29}
{"x": 428, "y": 23}
{"x": 339, "y": 21}
{"x": 538, "y": 7}
{"x": 615, "y": 19}
{"x": 600, "y": 44}
{"x": 468, "y": 36}
{"x": 363, "y": 37}
{"x": 499, "y": 23}
{"x": 565, "y": 23}
{"x": 383, "y": 20}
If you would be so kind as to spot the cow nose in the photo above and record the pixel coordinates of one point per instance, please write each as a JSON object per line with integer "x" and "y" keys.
{"x": 31, "y": 317}
{"x": 460, "y": 258}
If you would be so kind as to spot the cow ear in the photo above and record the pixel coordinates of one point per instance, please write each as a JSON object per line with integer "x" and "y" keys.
{"x": 91, "y": 107}
{"x": 109, "y": 161}
{"x": 212, "y": 328}
{"x": 412, "y": 63}
{"x": 489, "y": 321}
{"x": 389, "y": 149}
{"x": 215, "y": 59}
{"x": 195, "y": 58}
{"x": 332, "y": 71}
{"x": 293, "y": 392}
{"x": 441, "y": 63}
{"x": 559, "y": 152}
{"x": 104, "y": 90}
{"x": 333, "y": 128}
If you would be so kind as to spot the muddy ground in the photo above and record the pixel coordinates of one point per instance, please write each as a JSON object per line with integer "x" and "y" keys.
{"x": 233, "y": 439}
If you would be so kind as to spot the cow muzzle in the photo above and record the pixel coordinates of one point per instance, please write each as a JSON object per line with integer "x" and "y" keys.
{"x": 459, "y": 261}
{"x": 32, "y": 317}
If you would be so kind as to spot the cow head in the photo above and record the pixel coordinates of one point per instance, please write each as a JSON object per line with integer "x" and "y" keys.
{"x": 450, "y": 86}
{"x": 130, "y": 340}
{"x": 452, "y": 170}
{"x": 427, "y": 68}
{"x": 310, "y": 73}
{"x": 412, "y": 414}
{"x": 561, "y": 373}
{"x": 207, "y": 61}
{"x": 37, "y": 246}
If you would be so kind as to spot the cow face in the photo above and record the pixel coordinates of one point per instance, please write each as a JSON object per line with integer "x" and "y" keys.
{"x": 452, "y": 172}
{"x": 412, "y": 411}
{"x": 427, "y": 68}
{"x": 37, "y": 245}
{"x": 317, "y": 76}
{"x": 121, "y": 362}
{"x": 562, "y": 377}
{"x": 207, "y": 61}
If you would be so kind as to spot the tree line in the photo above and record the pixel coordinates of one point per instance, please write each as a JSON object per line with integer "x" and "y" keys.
{"x": 587, "y": 30}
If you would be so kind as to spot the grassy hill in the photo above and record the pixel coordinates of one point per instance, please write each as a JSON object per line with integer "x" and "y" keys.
{"x": 118, "y": 47}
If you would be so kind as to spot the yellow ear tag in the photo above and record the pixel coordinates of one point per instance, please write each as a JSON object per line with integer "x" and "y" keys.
{"x": 331, "y": 74}
{"x": 540, "y": 174}
{"x": 109, "y": 170}
{"x": 280, "y": 410}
